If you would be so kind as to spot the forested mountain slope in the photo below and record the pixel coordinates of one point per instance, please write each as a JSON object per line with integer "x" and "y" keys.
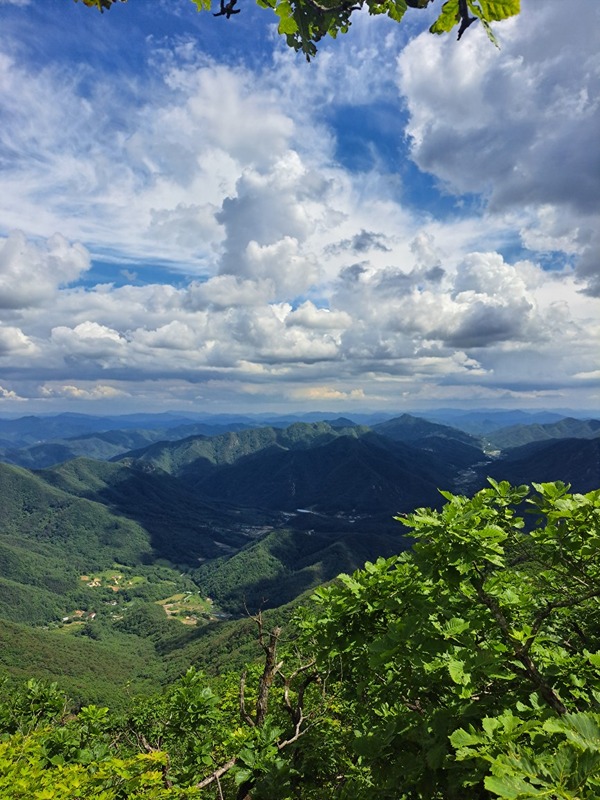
{"x": 181, "y": 526}
{"x": 408, "y": 428}
{"x": 573, "y": 461}
{"x": 567, "y": 428}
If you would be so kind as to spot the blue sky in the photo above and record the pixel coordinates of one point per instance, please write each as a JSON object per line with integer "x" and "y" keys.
{"x": 193, "y": 217}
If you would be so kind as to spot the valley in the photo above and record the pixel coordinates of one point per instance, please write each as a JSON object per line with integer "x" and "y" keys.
{"x": 160, "y": 545}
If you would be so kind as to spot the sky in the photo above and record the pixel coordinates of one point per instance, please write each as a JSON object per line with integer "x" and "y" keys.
{"x": 192, "y": 217}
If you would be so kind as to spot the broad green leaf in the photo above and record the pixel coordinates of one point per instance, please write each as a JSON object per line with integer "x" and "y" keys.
{"x": 287, "y": 23}
{"x": 512, "y": 787}
{"x": 593, "y": 658}
{"x": 496, "y": 10}
{"x": 447, "y": 19}
{"x": 462, "y": 738}
{"x": 457, "y": 672}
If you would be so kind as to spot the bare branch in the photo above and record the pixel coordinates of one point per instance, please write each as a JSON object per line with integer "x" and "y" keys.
{"x": 520, "y": 653}
{"x": 347, "y": 6}
{"x": 550, "y": 608}
{"x": 218, "y": 773}
{"x": 243, "y": 713}
{"x": 465, "y": 19}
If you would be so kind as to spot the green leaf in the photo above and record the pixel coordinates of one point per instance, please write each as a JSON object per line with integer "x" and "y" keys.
{"x": 457, "y": 672}
{"x": 593, "y": 658}
{"x": 242, "y": 775}
{"x": 247, "y": 757}
{"x": 462, "y": 738}
{"x": 490, "y": 725}
{"x": 287, "y": 23}
{"x": 495, "y": 10}
{"x": 512, "y": 787}
{"x": 447, "y": 19}
{"x": 454, "y": 627}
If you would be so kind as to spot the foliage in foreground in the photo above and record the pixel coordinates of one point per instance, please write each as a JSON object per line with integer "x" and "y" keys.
{"x": 306, "y": 22}
{"x": 467, "y": 668}
{"x": 471, "y": 663}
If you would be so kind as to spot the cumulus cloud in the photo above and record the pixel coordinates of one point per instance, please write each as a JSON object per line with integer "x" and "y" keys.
{"x": 519, "y": 124}
{"x": 267, "y": 219}
{"x": 9, "y": 394}
{"x": 225, "y": 291}
{"x": 75, "y": 392}
{"x": 296, "y": 276}
{"x": 30, "y": 273}
{"x": 361, "y": 243}
{"x": 14, "y": 342}
{"x": 307, "y": 315}
{"x": 88, "y": 340}
{"x": 320, "y": 393}
{"x": 143, "y": 168}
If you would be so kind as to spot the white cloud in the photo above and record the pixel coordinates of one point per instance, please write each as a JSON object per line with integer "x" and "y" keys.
{"x": 14, "y": 342}
{"x": 326, "y": 393}
{"x": 309, "y": 316}
{"x": 519, "y": 124}
{"x": 10, "y": 395}
{"x": 225, "y": 291}
{"x": 89, "y": 340}
{"x": 297, "y": 278}
{"x": 30, "y": 273}
{"x": 78, "y": 392}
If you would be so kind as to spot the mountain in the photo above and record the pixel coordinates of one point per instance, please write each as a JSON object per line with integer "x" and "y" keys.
{"x": 573, "y": 461}
{"x": 196, "y": 457}
{"x": 285, "y": 564}
{"x": 343, "y": 470}
{"x": 180, "y": 526}
{"x": 566, "y": 428}
{"x": 103, "y": 445}
{"x": 93, "y": 551}
{"x": 408, "y": 428}
{"x": 37, "y": 515}
{"x": 346, "y": 475}
{"x": 484, "y": 421}
{"x": 90, "y": 671}
{"x": 48, "y": 538}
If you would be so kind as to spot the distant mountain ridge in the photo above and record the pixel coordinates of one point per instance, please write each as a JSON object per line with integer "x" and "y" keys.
{"x": 351, "y": 469}
{"x": 566, "y": 428}
{"x": 408, "y": 428}
{"x": 573, "y": 461}
{"x": 37, "y": 442}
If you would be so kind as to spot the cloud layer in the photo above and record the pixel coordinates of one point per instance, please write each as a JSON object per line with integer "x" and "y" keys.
{"x": 289, "y": 276}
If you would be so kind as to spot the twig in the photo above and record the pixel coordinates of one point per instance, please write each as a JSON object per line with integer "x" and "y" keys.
{"x": 520, "y": 653}
{"x": 218, "y": 773}
{"x": 465, "y": 19}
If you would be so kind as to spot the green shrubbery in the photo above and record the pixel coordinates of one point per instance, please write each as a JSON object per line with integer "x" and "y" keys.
{"x": 465, "y": 669}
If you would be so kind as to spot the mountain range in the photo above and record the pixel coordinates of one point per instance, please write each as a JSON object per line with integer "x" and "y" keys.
{"x": 248, "y": 516}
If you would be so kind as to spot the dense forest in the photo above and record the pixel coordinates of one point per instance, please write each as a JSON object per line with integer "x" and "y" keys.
{"x": 160, "y": 639}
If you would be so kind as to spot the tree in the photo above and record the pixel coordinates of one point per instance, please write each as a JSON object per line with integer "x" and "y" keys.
{"x": 470, "y": 666}
{"x": 306, "y": 22}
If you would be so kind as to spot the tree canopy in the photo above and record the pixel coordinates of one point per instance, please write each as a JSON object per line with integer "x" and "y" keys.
{"x": 306, "y": 22}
